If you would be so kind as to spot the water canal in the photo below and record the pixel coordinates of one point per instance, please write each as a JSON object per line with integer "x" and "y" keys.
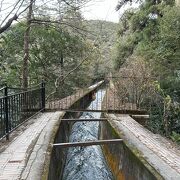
{"x": 87, "y": 163}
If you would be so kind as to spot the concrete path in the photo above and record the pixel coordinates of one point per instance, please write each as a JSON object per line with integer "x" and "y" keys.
{"x": 20, "y": 154}
{"x": 155, "y": 149}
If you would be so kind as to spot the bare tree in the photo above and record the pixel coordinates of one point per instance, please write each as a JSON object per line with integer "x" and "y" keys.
{"x": 135, "y": 81}
{"x": 16, "y": 11}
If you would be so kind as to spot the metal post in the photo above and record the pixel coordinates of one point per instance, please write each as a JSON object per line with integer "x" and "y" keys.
{"x": 43, "y": 97}
{"x": 6, "y": 112}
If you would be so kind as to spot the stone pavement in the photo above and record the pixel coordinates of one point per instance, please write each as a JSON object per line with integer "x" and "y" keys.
{"x": 155, "y": 149}
{"x": 17, "y": 158}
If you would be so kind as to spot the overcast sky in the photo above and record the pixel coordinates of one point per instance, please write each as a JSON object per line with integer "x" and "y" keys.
{"x": 101, "y": 9}
{"x": 95, "y": 9}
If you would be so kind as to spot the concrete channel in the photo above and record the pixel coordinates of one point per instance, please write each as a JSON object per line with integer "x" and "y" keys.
{"x": 119, "y": 160}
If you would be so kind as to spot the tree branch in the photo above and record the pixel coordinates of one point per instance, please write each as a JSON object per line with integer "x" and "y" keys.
{"x": 74, "y": 69}
{"x": 8, "y": 24}
{"x": 63, "y": 23}
{"x": 14, "y": 18}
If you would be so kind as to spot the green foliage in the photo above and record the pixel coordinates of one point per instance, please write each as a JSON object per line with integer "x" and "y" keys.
{"x": 175, "y": 137}
{"x": 59, "y": 48}
{"x": 124, "y": 49}
{"x": 48, "y": 46}
{"x": 152, "y": 32}
{"x": 11, "y": 47}
{"x": 103, "y": 35}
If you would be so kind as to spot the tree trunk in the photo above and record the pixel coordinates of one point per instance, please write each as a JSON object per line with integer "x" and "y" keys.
{"x": 62, "y": 68}
{"x": 26, "y": 48}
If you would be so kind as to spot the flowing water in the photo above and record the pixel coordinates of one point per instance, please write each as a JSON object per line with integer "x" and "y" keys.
{"x": 87, "y": 163}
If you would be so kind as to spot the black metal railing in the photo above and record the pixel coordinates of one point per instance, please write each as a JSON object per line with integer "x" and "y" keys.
{"x": 17, "y": 107}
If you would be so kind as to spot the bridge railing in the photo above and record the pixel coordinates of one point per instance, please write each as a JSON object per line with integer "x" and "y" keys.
{"x": 17, "y": 105}
{"x": 115, "y": 94}
{"x": 76, "y": 100}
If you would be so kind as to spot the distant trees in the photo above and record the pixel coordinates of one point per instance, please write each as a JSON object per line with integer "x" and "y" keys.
{"x": 103, "y": 35}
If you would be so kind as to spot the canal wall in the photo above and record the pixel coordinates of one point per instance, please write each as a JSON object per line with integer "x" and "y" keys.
{"x": 142, "y": 155}
{"x": 124, "y": 161}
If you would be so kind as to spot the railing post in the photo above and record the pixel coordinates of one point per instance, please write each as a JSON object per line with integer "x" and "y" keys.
{"x": 6, "y": 112}
{"x": 43, "y": 96}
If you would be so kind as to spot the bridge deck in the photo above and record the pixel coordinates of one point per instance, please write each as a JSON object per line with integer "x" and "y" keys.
{"x": 162, "y": 154}
{"x": 19, "y": 155}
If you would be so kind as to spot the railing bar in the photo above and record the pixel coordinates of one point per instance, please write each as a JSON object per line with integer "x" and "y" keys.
{"x": 18, "y": 105}
{"x": 136, "y": 112}
{"x": 87, "y": 143}
{"x": 72, "y": 120}
{"x": 21, "y": 93}
{"x": 2, "y": 122}
{"x": 101, "y": 105}
{"x": 22, "y": 103}
{"x": 14, "y": 111}
{"x": 7, "y": 111}
{"x": 97, "y": 100}
{"x": 83, "y": 100}
{"x": 106, "y": 97}
{"x": 18, "y": 88}
{"x": 11, "y": 111}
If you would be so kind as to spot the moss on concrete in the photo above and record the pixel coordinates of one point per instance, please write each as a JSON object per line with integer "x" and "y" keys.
{"x": 125, "y": 160}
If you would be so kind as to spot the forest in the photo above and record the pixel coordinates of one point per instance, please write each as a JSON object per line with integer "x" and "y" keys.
{"x": 52, "y": 41}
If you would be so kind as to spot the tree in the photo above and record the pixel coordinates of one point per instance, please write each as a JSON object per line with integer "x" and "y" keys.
{"x": 151, "y": 32}
{"x": 67, "y": 16}
{"x": 135, "y": 81}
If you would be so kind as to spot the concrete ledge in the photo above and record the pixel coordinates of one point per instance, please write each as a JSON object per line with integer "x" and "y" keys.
{"x": 40, "y": 153}
{"x": 155, "y": 159}
{"x": 15, "y": 156}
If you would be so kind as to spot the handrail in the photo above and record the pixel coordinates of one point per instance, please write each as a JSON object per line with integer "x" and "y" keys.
{"x": 19, "y": 88}
{"x": 17, "y": 107}
{"x": 15, "y": 94}
{"x": 19, "y": 93}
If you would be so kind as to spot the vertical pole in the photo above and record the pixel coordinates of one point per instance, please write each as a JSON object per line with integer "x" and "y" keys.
{"x": 6, "y": 112}
{"x": 43, "y": 97}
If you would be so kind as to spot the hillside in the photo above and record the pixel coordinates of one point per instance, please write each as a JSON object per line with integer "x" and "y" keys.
{"x": 103, "y": 35}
